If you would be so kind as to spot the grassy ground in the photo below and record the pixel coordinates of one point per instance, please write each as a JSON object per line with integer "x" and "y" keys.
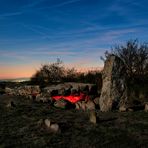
{"x": 20, "y": 127}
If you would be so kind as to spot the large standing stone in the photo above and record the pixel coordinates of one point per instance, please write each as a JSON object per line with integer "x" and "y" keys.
{"x": 114, "y": 89}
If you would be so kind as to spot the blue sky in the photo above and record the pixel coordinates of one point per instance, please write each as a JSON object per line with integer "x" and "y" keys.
{"x": 34, "y": 32}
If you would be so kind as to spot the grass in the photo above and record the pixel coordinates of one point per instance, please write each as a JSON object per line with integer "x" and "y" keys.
{"x": 20, "y": 127}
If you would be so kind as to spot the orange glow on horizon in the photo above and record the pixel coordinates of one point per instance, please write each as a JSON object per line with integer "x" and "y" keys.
{"x": 12, "y": 72}
{"x": 25, "y": 71}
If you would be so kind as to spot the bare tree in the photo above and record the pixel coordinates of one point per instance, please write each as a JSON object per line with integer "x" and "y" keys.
{"x": 49, "y": 73}
{"x": 134, "y": 56}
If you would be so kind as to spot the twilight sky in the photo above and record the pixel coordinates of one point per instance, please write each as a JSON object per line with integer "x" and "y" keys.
{"x": 35, "y": 32}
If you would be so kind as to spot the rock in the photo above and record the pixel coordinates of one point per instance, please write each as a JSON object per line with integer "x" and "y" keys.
{"x": 23, "y": 90}
{"x": 35, "y": 89}
{"x": 48, "y": 90}
{"x": 9, "y": 91}
{"x": 96, "y": 100}
{"x": 77, "y": 106}
{"x": 130, "y": 110}
{"x": 57, "y": 89}
{"x": 83, "y": 105}
{"x": 114, "y": 89}
{"x": 92, "y": 117}
{"x": 122, "y": 109}
{"x": 79, "y": 86}
{"x": 42, "y": 98}
{"x": 90, "y": 105}
{"x": 47, "y": 123}
{"x": 54, "y": 127}
{"x": 146, "y": 107}
{"x": 67, "y": 88}
{"x": 60, "y": 103}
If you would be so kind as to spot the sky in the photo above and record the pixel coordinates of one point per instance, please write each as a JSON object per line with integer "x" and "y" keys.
{"x": 35, "y": 32}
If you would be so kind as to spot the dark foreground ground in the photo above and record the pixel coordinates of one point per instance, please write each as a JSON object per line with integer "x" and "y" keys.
{"x": 20, "y": 127}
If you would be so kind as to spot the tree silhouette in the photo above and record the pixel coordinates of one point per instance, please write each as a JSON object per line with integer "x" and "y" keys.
{"x": 134, "y": 56}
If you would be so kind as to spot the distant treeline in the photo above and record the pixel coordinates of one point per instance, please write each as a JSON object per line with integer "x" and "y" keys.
{"x": 56, "y": 73}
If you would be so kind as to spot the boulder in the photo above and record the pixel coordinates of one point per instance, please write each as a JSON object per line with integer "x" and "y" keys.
{"x": 49, "y": 89}
{"x": 114, "y": 89}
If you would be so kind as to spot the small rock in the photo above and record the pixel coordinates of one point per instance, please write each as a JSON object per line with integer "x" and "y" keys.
{"x": 83, "y": 105}
{"x": 92, "y": 117}
{"x": 122, "y": 109}
{"x": 47, "y": 123}
{"x": 90, "y": 105}
{"x": 77, "y": 106}
{"x": 96, "y": 100}
{"x": 130, "y": 110}
{"x": 54, "y": 127}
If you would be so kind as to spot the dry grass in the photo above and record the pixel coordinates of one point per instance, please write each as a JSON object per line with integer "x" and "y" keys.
{"x": 20, "y": 127}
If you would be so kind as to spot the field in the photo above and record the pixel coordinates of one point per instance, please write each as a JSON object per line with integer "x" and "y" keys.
{"x": 20, "y": 126}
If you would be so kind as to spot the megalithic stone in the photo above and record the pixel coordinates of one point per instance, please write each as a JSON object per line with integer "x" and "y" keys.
{"x": 114, "y": 89}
